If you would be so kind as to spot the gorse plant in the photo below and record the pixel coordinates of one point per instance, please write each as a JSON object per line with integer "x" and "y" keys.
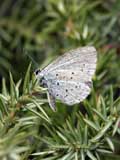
{"x": 25, "y": 121}
{"x": 16, "y": 131}
{"x": 29, "y": 129}
{"x": 51, "y": 26}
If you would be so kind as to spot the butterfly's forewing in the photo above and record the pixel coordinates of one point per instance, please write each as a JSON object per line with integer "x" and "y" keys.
{"x": 78, "y": 58}
{"x": 69, "y": 77}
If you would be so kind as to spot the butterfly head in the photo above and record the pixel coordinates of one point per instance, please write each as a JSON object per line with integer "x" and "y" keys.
{"x": 40, "y": 76}
{"x": 38, "y": 73}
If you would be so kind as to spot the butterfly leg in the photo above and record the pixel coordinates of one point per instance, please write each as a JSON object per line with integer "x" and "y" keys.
{"x": 51, "y": 101}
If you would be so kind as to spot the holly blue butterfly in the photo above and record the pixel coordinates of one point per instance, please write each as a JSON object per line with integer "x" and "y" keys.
{"x": 69, "y": 77}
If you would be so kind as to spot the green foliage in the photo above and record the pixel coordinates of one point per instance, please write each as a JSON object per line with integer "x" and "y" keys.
{"x": 83, "y": 137}
{"x": 24, "y": 120}
{"x": 51, "y": 26}
{"x": 41, "y": 30}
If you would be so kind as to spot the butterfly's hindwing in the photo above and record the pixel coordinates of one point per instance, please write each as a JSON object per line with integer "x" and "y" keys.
{"x": 69, "y": 92}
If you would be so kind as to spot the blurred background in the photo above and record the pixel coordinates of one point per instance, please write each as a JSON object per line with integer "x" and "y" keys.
{"x": 45, "y": 29}
{"x": 39, "y": 31}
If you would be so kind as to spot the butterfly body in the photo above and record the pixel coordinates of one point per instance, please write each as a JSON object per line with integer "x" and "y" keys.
{"x": 69, "y": 77}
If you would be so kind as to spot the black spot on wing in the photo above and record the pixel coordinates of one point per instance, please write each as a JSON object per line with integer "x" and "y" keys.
{"x": 58, "y": 84}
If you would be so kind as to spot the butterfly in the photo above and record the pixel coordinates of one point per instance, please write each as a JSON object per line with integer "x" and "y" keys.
{"x": 69, "y": 77}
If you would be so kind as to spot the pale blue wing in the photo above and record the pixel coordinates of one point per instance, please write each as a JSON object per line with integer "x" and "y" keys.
{"x": 69, "y": 77}
{"x": 69, "y": 92}
{"x": 79, "y": 59}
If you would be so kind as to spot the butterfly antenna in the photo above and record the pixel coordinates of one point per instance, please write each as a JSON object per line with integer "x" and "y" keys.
{"x": 31, "y": 58}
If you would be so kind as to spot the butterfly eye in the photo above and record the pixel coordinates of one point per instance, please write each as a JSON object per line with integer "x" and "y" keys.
{"x": 37, "y": 71}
